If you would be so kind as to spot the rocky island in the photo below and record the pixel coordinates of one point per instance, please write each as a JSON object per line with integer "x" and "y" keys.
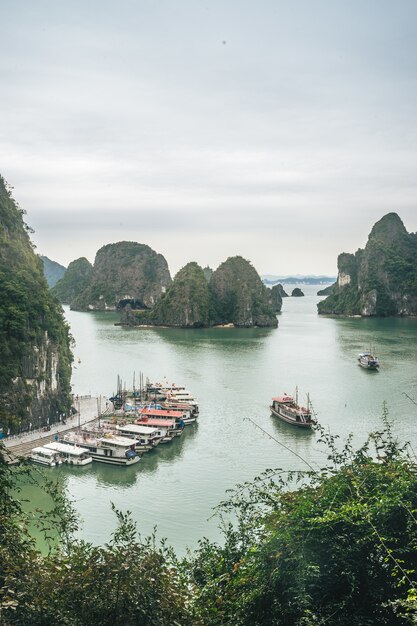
{"x": 35, "y": 356}
{"x": 124, "y": 273}
{"x": 234, "y": 295}
{"x": 381, "y": 279}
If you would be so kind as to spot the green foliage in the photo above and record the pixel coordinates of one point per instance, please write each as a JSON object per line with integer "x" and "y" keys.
{"x": 186, "y": 303}
{"x": 32, "y": 327}
{"x": 127, "y": 582}
{"x": 75, "y": 280}
{"x": 336, "y": 545}
{"x": 123, "y": 271}
{"x": 340, "y": 549}
{"x": 383, "y": 277}
{"x": 238, "y": 296}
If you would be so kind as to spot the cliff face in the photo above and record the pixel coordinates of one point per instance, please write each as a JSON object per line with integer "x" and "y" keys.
{"x": 380, "y": 280}
{"x": 186, "y": 303}
{"x": 53, "y": 271}
{"x": 235, "y": 295}
{"x": 238, "y": 296}
{"x": 35, "y": 357}
{"x": 75, "y": 280}
{"x": 275, "y": 298}
{"x": 125, "y": 273}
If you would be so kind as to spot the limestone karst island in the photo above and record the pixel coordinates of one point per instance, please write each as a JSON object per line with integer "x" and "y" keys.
{"x": 134, "y": 403}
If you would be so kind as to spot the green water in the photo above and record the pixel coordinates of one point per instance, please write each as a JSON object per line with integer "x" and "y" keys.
{"x": 233, "y": 373}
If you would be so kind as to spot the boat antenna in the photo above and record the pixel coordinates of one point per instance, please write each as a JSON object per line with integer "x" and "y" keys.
{"x": 281, "y": 444}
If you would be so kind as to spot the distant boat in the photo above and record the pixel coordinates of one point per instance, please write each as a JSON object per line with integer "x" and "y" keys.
{"x": 368, "y": 360}
{"x": 287, "y": 409}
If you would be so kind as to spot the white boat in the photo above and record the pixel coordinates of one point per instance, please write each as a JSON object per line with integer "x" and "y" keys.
{"x": 368, "y": 360}
{"x": 73, "y": 455}
{"x": 288, "y": 410}
{"x": 167, "y": 428}
{"x": 108, "y": 449}
{"x": 146, "y": 437}
{"x": 45, "y": 456}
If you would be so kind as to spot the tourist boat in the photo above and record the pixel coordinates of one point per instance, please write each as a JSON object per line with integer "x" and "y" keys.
{"x": 368, "y": 360}
{"x": 167, "y": 428}
{"x": 161, "y": 414}
{"x": 146, "y": 436}
{"x": 73, "y": 455}
{"x": 45, "y": 456}
{"x": 107, "y": 449}
{"x": 287, "y": 409}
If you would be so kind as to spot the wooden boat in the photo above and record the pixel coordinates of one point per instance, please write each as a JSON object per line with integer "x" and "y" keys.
{"x": 368, "y": 360}
{"x": 73, "y": 455}
{"x": 45, "y": 456}
{"x": 288, "y": 410}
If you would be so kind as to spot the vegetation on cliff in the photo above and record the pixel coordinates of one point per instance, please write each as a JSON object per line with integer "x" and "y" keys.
{"x": 75, "y": 280}
{"x": 276, "y": 298}
{"x": 52, "y": 270}
{"x": 186, "y": 303}
{"x": 238, "y": 296}
{"x": 380, "y": 280}
{"x": 125, "y": 273}
{"x": 338, "y": 549}
{"x": 234, "y": 295}
{"x": 35, "y": 357}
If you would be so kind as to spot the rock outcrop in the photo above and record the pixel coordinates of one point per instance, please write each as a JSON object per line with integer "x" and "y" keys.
{"x": 186, "y": 303}
{"x": 238, "y": 296}
{"x": 52, "y": 270}
{"x": 379, "y": 280}
{"x": 125, "y": 273}
{"x": 297, "y": 293}
{"x": 235, "y": 296}
{"x": 276, "y": 298}
{"x": 75, "y": 280}
{"x": 35, "y": 357}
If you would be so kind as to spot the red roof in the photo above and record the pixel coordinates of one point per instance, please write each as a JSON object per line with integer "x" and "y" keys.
{"x": 283, "y": 399}
{"x": 151, "y": 422}
{"x": 161, "y": 413}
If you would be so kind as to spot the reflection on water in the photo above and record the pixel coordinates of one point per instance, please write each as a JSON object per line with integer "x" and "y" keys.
{"x": 108, "y": 475}
{"x": 234, "y": 373}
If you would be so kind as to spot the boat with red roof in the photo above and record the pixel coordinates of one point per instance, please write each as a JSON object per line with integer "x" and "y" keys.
{"x": 288, "y": 410}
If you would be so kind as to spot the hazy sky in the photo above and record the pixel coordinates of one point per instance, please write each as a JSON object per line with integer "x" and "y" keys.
{"x": 277, "y": 130}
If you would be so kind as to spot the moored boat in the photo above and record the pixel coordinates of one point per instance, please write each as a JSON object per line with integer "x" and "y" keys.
{"x": 107, "y": 449}
{"x": 73, "y": 455}
{"x": 288, "y": 410}
{"x": 45, "y": 456}
{"x": 146, "y": 436}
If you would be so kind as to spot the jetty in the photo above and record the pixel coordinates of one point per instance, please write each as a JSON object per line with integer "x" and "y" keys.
{"x": 88, "y": 413}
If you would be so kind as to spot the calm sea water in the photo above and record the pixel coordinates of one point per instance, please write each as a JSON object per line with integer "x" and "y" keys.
{"x": 233, "y": 374}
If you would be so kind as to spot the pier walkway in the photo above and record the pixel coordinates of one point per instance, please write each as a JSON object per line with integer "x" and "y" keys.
{"x": 88, "y": 412}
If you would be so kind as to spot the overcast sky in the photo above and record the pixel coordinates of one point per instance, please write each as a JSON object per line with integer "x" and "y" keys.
{"x": 280, "y": 131}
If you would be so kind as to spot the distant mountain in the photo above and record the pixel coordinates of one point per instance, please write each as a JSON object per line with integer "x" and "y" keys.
{"x": 298, "y": 279}
{"x": 379, "y": 280}
{"x": 52, "y": 270}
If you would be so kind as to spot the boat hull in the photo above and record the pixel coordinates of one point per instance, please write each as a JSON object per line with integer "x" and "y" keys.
{"x": 289, "y": 420}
